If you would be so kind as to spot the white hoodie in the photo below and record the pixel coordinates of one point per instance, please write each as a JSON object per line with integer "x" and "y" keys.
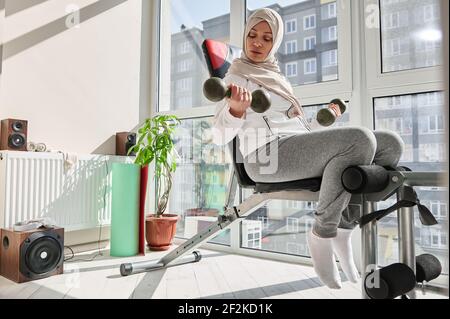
{"x": 255, "y": 129}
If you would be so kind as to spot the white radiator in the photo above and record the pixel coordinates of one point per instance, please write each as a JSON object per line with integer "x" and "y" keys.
{"x": 34, "y": 185}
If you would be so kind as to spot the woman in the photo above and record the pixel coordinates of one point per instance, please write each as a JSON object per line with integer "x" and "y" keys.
{"x": 280, "y": 145}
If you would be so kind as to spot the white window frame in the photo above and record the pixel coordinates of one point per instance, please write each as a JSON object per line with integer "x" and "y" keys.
{"x": 294, "y": 74}
{"x": 308, "y": 17}
{"x": 184, "y": 47}
{"x": 334, "y": 13}
{"x": 310, "y": 62}
{"x": 332, "y": 33}
{"x": 291, "y": 43}
{"x": 294, "y": 23}
{"x": 309, "y": 39}
{"x": 334, "y": 61}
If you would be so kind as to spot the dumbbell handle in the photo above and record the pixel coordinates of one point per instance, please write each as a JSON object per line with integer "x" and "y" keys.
{"x": 215, "y": 90}
{"x": 327, "y": 117}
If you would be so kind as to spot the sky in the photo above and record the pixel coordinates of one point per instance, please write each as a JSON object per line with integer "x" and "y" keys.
{"x": 192, "y": 12}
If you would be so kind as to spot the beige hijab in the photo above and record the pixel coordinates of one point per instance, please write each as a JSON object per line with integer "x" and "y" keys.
{"x": 267, "y": 73}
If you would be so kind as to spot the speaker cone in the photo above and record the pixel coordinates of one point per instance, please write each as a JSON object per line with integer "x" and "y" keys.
{"x": 42, "y": 253}
{"x": 17, "y": 140}
{"x": 17, "y": 126}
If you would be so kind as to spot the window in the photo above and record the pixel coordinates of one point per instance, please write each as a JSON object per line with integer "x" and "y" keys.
{"x": 251, "y": 234}
{"x": 438, "y": 208}
{"x": 329, "y": 34}
{"x": 419, "y": 113}
{"x": 292, "y": 225}
{"x": 392, "y": 20}
{"x": 418, "y": 119}
{"x": 396, "y": 47}
{"x": 414, "y": 23}
{"x": 430, "y": 13}
{"x": 298, "y": 14}
{"x": 287, "y": 232}
{"x": 291, "y": 26}
{"x": 438, "y": 239}
{"x": 309, "y": 22}
{"x": 309, "y": 43}
{"x": 430, "y": 99}
{"x": 329, "y": 59}
{"x": 185, "y": 47}
{"x": 184, "y": 84}
{"x": 329, "y": 11}
{"x": 182, "y": 31}
{"x": 265, "y": 222}
{"x": 332, "y": 31}
{"x": 184, "y": 65}
{"x": 433, "y": 153}
{"x": 291, "y": 47}
{"x": 291, "y": 69}
{"x": 332, "y": 10}
{"x": 200, "y": 163}
{"x": 310, "y": 66}
{"x": 433, "y": 124}
{"x": 401, "y": 125}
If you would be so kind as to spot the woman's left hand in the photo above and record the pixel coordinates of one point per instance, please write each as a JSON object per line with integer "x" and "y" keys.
{"x": 336, "y": 109}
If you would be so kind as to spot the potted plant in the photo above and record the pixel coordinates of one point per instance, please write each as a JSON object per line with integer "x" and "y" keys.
{"x": 155, "y": 144}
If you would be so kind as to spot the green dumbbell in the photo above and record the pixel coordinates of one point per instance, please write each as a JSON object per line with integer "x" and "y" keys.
{"x": 327, "y": 117}
{"x": 216, "y": 90}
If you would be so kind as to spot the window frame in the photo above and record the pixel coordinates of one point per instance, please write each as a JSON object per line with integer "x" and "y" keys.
{"x": 296, "y": 69}
{"x": 291, "y": 42}
{"x": 310, "y": 62}
{"x": 309, "y": 38}
{"x": 305, "y": 18}
{"x": 294, "y": 30}
{"x": 330, "y": 5}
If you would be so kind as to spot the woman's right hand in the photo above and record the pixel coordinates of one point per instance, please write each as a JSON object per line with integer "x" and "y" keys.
{"x": 240, "y": 101}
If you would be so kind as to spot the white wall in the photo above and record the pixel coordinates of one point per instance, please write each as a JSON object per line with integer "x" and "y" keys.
{"x": 80, "y": 85}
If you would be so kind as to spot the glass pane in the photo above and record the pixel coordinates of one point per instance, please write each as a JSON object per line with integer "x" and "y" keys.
{"x": 201, "y": 179}
{"x": 417, "y": 118}
{"x": 312, "y": 26}
{"x": 411, "y": 34}
{"x": 184, "y": 26}
{"x": 280, "y": 226}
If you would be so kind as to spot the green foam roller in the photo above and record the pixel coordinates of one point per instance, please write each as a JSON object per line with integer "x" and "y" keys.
{"x": 125, "y": 210}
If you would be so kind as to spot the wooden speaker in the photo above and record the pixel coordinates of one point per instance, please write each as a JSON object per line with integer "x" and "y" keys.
{"x": 13, "y": 135}
{"x": 31, "y": 255}
{"x": 124, "y": 141}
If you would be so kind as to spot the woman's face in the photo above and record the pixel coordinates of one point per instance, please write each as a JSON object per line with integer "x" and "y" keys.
{"x": 259, "y": 42}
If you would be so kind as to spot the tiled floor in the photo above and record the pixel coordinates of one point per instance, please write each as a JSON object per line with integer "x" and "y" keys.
{"x": 217, "y": 275}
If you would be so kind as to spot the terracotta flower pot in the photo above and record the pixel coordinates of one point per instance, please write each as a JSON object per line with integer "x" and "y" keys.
{"x": 159, "y": 232}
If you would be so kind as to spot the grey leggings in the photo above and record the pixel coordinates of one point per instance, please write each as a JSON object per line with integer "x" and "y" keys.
{"x": 325, "y": 153}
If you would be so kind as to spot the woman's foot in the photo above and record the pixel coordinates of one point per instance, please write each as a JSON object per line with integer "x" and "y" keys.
{"x": 343, "y": 249}
{"x": 324, "y": 263}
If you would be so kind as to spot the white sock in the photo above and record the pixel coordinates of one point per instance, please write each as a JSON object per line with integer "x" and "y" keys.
{"x": 342, "y": 247}
{"x": 321, "y": 250}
